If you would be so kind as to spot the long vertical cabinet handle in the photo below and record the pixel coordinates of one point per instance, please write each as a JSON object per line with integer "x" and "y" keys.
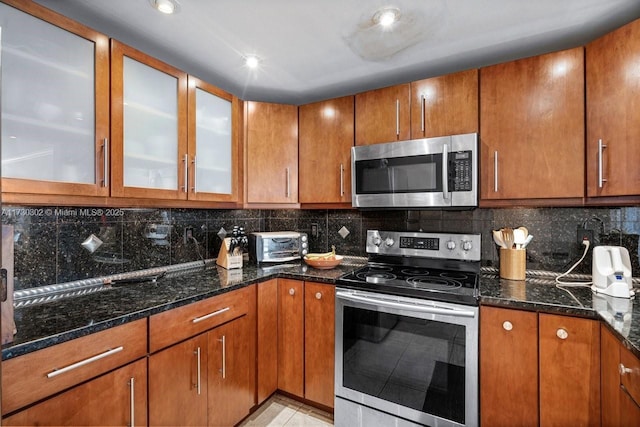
{"x": 185, "y": 162}
{"x": 422, "y": 108}
{"x": 224, "y": 356}
{"x": 132, "y": 396}
{"x": 195, "y": 175}
{"x": 105, "y": 162}
{"x": 495, "y": 171}
{"x": 288, "y": 189}
{"x": 445, "y": 171}
{"x": 601, "y": 179}
{"x": 341, "y": 179}
{"x": 198, "y": 383}
{"x": 397, "y": 117}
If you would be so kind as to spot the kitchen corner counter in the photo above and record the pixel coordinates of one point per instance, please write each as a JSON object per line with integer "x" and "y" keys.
{"x": 43, "y": 325}
{"x": 621, "y": 315}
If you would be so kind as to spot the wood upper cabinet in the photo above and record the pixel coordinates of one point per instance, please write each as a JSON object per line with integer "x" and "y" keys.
{"x": 508, "y": 367}
{"x": 291, "y": 336}
{"x": 569, "y": 371}
{"x": 55, "y": 104}
{"x": 118, "y": 398}
{"x": 325, "y": 141}
{"x": 271, "y": 171}
{"x": 382, "y": 115}
{"x": 213, "y": 134}
{"x": 445, "y": 105}
{"x": 148, "y": 126}
{"x": 267, "y": 339}
{"x": 319, "y": 342}
{"x": 613, "y": 128}
{"x": 532, "y": 120}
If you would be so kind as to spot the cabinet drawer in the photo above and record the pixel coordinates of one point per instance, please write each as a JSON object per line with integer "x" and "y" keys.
{"x": 630, "y": 374}
{"x": 175, "y": 325}
{"x": 31, "y": 377}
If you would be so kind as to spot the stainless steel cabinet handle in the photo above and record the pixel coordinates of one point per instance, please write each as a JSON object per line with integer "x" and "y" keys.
{"x": 507, "y": 325}
{"x": 495, "y": 171}
{"x": 207, "y": 316}
{"x": 198, "y": 383}
{"x": 185, "y": 161}
{"x": 445, "y": 172}
{"x": 132, "y": 396}
{"x": 318, "y": 295}
{"x": 341, "y": 179}
{"x": 601, "y": 179}
{"x": 105, "y": 162}
{"x": 562, "y": 334}
{"x": 422, "y": 109}
{"x": 195, "y": 175}
{"x": 288, "y": 191}
{"x": 624, "y": 370}
{"x": 224, "y": 356}
{"x": 292, "y": 291}
{"x": 397, "y": 117}
{"x": 107, "y": 353}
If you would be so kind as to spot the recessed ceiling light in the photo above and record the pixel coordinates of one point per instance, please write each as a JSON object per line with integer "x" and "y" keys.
{"x": 166, "y": 6}
{"x": 386, "y": 17}
{"x": 251, "y": 61}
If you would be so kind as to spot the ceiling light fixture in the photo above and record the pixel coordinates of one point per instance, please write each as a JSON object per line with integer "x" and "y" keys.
{"x": 386, "y": 17}
{"x": 165, "y": 6}
{"x": 251, "y": 61}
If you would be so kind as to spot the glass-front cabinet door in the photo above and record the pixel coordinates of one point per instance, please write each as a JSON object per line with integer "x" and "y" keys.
{"x": 148, "y": 126}
{"x": 55, "y": 104}
{"x": 213, "y": 153}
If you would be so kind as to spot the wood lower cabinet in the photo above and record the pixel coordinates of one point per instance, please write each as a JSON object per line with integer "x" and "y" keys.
{"x": 620, "y": 401}
{"x": 532, "y": 119}
{"x": 613, "y": 129}
{"x": 271, "y": 171}
{"x": 178, "y": 384}
{"x": 326, "y": 138}
{"x": 508, "y": 367}
{"x": 538, "y": 365}
{"x": 319, "y": 342}
{"x": 291, "y": 336}
{"x": 382, "y": 115}
{"x": 267, "y": 339}
{"x": 118, "y": 398}
{"x": 445, "y": 105}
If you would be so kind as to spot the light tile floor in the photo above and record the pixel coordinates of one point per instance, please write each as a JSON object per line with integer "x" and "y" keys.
{"x": 280, "y": 411}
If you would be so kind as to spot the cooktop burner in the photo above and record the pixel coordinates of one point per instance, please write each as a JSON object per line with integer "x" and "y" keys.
{"x": 423, "y": 265}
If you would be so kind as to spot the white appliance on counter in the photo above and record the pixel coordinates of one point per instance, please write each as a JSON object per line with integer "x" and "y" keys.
{"x": 611, "y": 271}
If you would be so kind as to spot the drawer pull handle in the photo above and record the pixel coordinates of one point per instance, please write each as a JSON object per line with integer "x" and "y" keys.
{"x": 624, "y": 370}
{"x": 507, "y": 325}
{"x": 562, "y": 334}
{"x": 132, "y": 395}
{"x": 207, "y": 316}
{"x": 318, "y": 295}
{"x": 57, "y": 372}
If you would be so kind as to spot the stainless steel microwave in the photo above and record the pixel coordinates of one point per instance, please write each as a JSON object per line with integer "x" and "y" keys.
{"x": 416, "y": 174}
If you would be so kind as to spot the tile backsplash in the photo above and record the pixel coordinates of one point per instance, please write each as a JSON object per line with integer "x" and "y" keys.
{"x": 48, "y": 240}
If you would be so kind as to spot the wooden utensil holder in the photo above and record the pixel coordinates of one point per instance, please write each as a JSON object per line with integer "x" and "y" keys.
{"x": 513, "y": 264}
{"x": 226, "y": 259}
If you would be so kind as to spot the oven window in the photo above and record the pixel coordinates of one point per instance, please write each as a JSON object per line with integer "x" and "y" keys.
{"x": 413, "y": 362}
{"x": 414, "y": 174}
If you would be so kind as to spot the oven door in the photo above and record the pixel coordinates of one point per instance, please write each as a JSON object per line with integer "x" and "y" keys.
{"x": 410, "y": 358}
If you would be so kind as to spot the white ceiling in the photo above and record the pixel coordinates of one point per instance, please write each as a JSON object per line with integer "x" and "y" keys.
{"x": 319, "y": 49}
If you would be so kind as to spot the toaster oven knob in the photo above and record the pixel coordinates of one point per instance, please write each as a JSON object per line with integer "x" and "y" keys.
{"x": 304, "y": 245}
{"x": 451, "y": 245}
{"x": 467, "y": 246}
{"x": 303, "y": 238}
{"x": 304, "y": 252}
{"x": 389, "y": 242}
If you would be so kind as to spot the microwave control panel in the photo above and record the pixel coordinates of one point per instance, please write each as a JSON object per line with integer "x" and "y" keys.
{"x": 461, "y": 170}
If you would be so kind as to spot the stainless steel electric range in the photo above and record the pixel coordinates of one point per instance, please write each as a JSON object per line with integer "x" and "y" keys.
{"x": 407, "y": 332}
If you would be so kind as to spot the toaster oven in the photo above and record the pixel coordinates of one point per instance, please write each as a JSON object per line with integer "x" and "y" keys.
{"x": 277, "y": 246}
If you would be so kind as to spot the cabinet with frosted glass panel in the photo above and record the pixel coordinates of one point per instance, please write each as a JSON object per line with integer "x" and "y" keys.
{"x": 55, "y": 104}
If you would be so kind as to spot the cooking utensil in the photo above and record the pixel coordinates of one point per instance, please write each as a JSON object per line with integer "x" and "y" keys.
{"x": 497, "y": 238}
{"x": 519, "y": 237}
{"x": 527, "y": 241}
{"x": 507, "y": 237}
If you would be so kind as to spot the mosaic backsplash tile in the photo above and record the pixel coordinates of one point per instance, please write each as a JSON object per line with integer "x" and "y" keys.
{"x": 48, "y": 240}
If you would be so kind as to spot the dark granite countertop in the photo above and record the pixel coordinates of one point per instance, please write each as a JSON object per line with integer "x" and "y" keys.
{"x": 44, "y": 325}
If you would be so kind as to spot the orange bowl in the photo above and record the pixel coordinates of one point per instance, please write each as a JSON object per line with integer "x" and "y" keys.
{"x": 324, "y": 264}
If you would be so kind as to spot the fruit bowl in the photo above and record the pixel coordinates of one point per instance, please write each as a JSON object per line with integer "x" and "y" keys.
{"x": 324, "y": 263}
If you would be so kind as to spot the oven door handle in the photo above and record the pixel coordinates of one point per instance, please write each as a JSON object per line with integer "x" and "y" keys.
{"x": 410, "y": 307}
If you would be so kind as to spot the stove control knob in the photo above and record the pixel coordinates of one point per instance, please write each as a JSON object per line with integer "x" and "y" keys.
{"x": 451, "y": 245}
{"x": 467, "y": 246}
{"x": 389, "y": 242}
{"x": 376, "y": 240}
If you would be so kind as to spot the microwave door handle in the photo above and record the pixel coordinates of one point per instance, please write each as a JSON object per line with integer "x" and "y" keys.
{"x": 445, "y": 172}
